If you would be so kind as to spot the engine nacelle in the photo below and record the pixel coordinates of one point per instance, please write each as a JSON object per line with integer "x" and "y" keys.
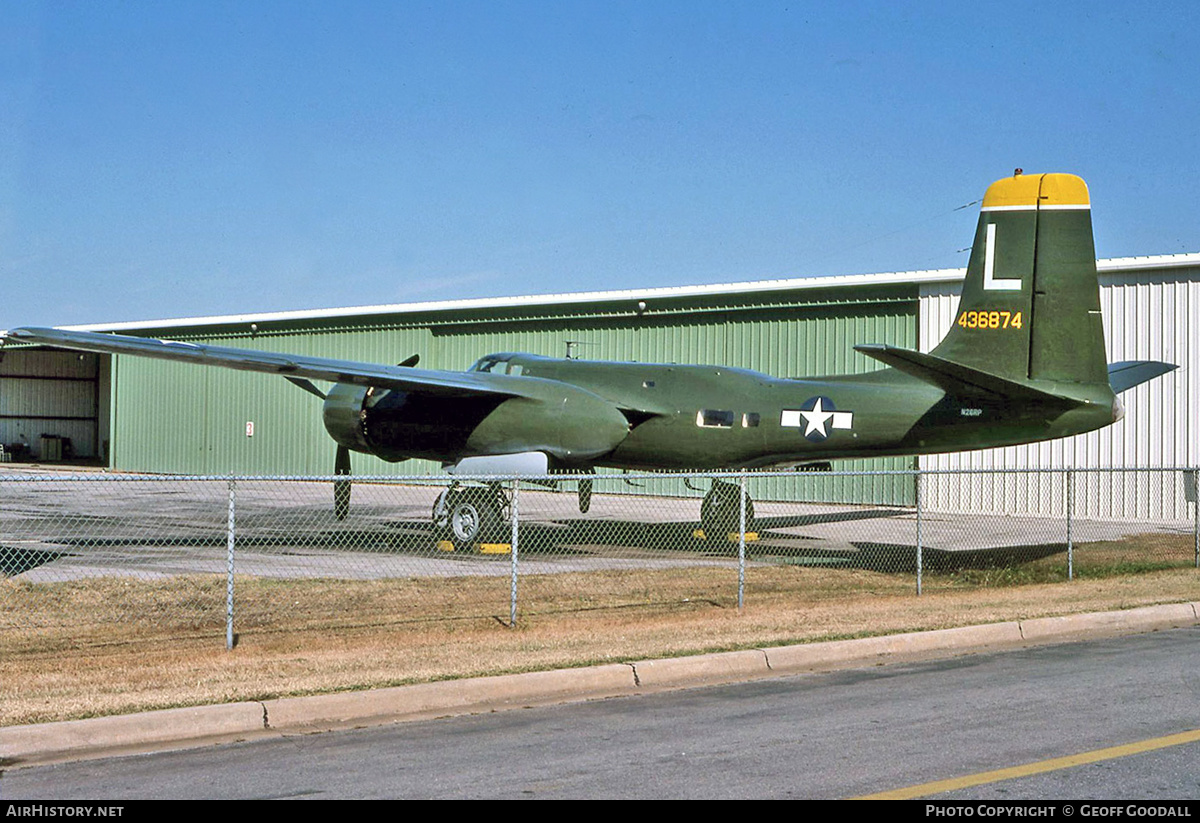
{"x": 342, "y": 415}
{"x": 396, "y": 425}
{"x": 570, "y": 425}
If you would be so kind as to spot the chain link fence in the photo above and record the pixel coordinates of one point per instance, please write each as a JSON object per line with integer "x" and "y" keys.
{"x": 84, "y": 552}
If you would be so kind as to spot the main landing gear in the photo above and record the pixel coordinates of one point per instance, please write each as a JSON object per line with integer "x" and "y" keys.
{"x": 720, "y": 511}
{"x": 469, "y": 514}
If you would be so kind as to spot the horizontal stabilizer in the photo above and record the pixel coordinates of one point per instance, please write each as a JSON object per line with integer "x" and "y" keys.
{"x": 957, "y": 379}
{"x": 1129, "y": 373}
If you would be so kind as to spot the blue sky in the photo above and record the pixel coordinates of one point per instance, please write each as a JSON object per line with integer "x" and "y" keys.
{"x": 198, "y": 158}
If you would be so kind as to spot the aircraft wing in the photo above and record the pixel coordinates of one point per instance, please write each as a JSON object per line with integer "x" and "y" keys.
{"x": 405, "y": 378}
{"x": 1129, "y": 373}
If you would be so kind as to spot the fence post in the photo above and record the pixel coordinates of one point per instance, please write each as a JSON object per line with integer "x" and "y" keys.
{"x": 919, "y": 549}
{"x": 229, "y": 540}
{"x": 1070, "y": 512}
{"x": 742, "y": 544}
{"x": 1196, "y": 515}
{"x": 512, "y": 606}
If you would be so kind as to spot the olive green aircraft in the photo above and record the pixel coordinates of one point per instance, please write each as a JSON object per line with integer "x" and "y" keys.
{"x": 1024, "y": 361}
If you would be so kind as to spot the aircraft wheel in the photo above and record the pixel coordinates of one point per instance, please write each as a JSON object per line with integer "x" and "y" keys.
{"x": 466, "y": 516}
{"x": 720, "y": 511}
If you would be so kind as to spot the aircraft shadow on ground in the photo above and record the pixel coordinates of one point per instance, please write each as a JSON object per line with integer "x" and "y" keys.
{"x": 18, "y": 561}
{"x": 900, "y": 558}
{"x": 581, "y": 537}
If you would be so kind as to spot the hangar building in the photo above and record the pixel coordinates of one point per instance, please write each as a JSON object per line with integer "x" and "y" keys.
{"x": 140, "y": 415}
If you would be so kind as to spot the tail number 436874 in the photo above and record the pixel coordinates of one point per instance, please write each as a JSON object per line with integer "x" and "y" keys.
{"x": 991, "y": 320}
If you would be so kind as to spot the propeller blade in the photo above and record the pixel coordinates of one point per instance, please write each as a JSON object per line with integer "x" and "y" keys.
{"x": 305, "y": 384}
{"x": 341, "y": 487}
{"x": 585, "y": 495}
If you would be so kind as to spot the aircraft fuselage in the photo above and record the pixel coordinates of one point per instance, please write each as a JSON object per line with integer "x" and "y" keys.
{"x": 666, "y": 416}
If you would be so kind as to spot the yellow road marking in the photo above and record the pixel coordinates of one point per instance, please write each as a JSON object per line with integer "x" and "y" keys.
{"x": 1054, "y": 764}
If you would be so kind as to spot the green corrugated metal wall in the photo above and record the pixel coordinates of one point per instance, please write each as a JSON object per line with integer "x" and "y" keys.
{"x": 185, "y": 419}
{"x": 179, "y": 418}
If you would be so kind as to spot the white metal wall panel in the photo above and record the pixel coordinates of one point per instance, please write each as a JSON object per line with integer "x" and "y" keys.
{"x": 49, "y": 393}
{"x": 1148, "y": 315}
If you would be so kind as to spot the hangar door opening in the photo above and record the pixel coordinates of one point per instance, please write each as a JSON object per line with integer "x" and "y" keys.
{"x": 54, "y": 406}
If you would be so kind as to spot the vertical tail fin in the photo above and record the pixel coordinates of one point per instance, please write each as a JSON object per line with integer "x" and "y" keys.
{"x": 1030, "y": 307}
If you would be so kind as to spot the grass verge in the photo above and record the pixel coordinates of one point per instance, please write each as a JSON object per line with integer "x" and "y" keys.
{"x": 118, "y": 645}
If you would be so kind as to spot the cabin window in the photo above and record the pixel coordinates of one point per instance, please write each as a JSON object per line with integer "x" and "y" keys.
{"x": 714, "y": 419}
{"x": 750, "y": 420}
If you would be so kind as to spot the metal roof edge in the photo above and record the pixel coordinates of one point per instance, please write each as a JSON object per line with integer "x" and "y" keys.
{"x": 533, "y": 300}
{"x": 921, "y": 277}
{"x": 1150, "y": 261}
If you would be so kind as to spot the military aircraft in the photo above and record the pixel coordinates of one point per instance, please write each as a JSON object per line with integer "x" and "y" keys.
{"x": 1024, "y": 361}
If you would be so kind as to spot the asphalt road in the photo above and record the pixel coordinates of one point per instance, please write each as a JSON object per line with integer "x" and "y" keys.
{"x": 842, "y": 734}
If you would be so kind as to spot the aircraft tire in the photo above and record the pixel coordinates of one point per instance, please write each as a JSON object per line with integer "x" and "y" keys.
{"x": 720, "y": 511}
{"x": 466, "y": 516}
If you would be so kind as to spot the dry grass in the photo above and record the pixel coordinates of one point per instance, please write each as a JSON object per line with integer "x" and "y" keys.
{"x": 311, "y": 636}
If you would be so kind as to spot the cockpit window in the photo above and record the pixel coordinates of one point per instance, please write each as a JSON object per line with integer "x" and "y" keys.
{"x": 490, "y": 363}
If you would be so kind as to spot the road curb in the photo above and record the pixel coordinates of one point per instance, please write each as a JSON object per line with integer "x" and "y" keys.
{"x": 449, "y": 697}
{"x": 146, "y": 731}
{"x": 1146, "y": 618}
{"x": 203, "y": 725}
{"x": 895, "y": 647}
{"x": 703, "y": 669}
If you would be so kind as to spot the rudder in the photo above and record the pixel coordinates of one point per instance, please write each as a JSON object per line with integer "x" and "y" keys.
{"x": 1030, "y": 307}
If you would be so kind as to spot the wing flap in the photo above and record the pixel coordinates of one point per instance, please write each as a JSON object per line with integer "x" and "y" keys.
{"x": 405, "y": 378}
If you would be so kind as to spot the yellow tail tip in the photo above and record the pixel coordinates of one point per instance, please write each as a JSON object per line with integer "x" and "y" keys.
{"x": 1029, "y": 190}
